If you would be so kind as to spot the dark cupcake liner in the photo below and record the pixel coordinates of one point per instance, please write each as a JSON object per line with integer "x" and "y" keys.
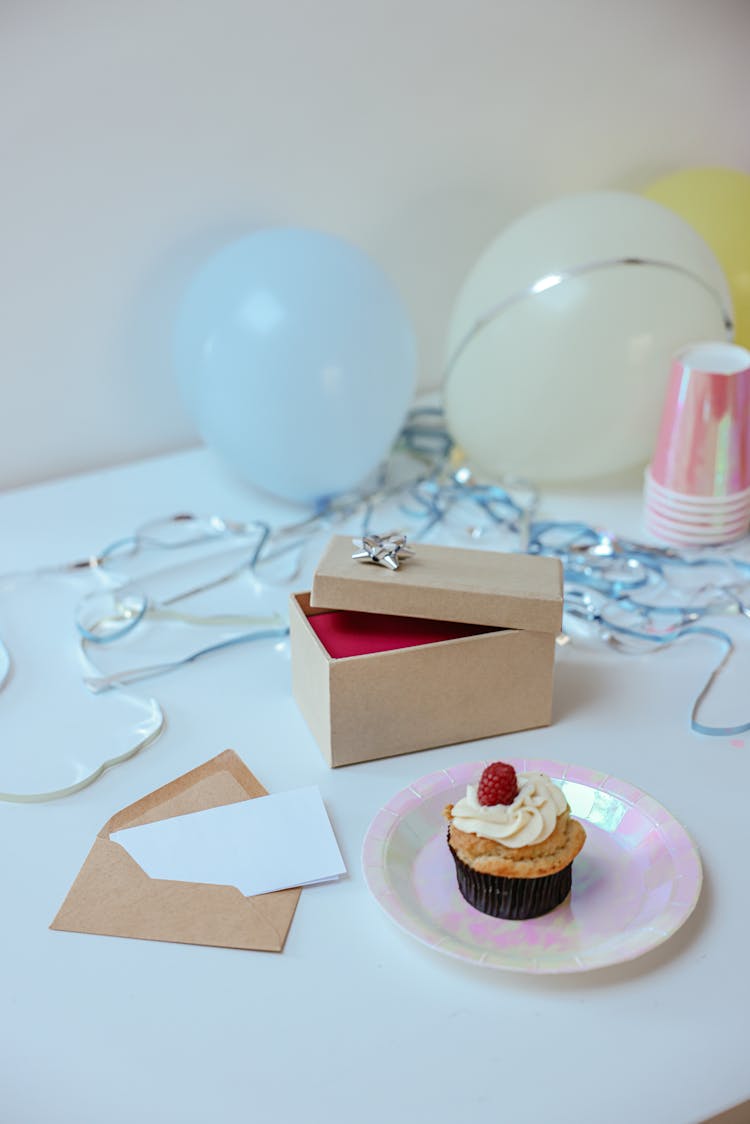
{"x": 514, "y": 899}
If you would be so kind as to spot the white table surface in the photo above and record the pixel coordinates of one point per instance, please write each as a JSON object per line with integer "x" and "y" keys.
{"x": 356, "y": 1021}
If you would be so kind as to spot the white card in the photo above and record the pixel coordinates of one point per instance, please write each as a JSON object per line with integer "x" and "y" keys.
{"x": 260, "y": 845}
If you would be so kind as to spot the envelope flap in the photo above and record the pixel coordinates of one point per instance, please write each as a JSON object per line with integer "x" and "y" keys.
{"x": 224, "y": 779}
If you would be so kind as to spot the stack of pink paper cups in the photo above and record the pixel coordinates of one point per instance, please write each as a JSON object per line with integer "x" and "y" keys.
{"x": 697, "y": 489}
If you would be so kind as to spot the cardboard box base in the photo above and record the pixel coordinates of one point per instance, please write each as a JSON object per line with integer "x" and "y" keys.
{"x": 388, "y": 703}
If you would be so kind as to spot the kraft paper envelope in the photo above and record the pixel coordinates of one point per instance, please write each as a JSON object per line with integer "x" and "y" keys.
{"x": 112, "y": 896}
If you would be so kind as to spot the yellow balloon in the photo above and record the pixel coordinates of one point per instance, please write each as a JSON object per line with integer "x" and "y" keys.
{"x": 716, "y": 203}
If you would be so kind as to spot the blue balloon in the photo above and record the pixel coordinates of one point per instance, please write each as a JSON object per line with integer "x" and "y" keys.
{"x": 296, "y": 360}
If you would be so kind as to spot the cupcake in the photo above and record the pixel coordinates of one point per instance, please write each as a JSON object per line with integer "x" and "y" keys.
{"x": 513, "y": 842}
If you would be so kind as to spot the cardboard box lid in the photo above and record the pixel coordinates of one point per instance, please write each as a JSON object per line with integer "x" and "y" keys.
{"x": 445, "y": 583}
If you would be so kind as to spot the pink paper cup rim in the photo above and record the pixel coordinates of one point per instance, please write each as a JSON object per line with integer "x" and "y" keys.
{"x": 714, "y": 357}
{"x": 673, "y": 538}
{"x": 691, "y": 528}
{"x": 697, "y": 523}
{"x": 686, "y": 499}
{"x": 670, "y": 532}
{"x": 696, "y": 514}
{"x": 715, "y": 519}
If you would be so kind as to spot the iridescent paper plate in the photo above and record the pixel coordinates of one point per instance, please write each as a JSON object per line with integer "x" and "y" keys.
{"x": 635, "y": 883}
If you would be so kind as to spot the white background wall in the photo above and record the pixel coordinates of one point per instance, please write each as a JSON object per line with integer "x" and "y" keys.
{"x": 136, "y": 137}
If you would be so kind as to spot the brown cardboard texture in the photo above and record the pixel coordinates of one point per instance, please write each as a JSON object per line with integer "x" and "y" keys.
{"x": 387, "y": 703}
{"x": 113, "y": 896}
{"x": 445, "y": 583}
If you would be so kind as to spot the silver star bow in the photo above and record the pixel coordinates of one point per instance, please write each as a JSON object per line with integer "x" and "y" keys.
{"x": 387, "y": 550}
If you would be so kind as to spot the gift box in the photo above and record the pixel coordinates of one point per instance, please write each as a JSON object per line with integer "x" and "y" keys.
{"x": 452, "y": 646}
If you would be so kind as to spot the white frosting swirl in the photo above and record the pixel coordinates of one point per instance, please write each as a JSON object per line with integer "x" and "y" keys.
{"x": 531, "y": 818}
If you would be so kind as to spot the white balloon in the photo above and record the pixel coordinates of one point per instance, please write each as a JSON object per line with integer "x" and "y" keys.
{"x": 558, "y": 353}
